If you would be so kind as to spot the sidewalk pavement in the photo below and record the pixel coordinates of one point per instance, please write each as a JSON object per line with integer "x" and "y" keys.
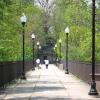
{"x": 48, "y": 84}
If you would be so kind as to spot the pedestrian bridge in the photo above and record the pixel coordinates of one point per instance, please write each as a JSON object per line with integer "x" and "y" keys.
{"x": 48, "y": 84}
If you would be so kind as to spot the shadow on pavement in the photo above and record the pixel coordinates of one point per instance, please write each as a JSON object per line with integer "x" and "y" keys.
{"x": 21, "y": 90}
{"x": 56, "y": 98}
{"x": 44, "y": 98}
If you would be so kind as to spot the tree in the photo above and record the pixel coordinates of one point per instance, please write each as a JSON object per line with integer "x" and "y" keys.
{"x": 77, "y": 15}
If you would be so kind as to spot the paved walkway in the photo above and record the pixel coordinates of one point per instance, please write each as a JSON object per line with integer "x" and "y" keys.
{"x": 48, "y": 84}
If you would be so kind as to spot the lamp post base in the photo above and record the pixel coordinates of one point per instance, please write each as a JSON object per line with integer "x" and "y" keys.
{"x": 23, "y": 77}
{"x": 93, "y": 90}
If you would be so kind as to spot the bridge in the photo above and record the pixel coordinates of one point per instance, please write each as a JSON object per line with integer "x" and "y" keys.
{"x": 63, "y": 32}
{"x": 48, "y": 84}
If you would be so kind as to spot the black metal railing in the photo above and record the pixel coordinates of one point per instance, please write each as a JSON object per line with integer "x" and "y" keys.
{"x": 10, "y": 71}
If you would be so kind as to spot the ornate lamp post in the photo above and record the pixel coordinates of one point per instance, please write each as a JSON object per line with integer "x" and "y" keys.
{"x": 93, "y": 90}
{"x": 23, "y": 20}
{"x": 33, "y": 38}
{"x": 60, "y": 48}
{"x": 67, "y": 32}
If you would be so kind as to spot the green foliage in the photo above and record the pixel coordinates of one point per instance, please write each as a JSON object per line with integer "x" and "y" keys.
{"x": 76, "y": 14}
{"x": 11, "y": 28}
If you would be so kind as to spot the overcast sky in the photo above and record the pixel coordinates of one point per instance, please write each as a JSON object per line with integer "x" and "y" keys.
{"x": 90, "y": 2}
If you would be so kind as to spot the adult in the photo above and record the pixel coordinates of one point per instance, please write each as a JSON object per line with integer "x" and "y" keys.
{"x": 46, "y": 63}
{"x": 38, "y": 62}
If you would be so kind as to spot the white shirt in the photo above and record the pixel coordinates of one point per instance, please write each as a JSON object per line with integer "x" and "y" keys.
{"x": 38, "y": 61}
{"x": 46, "y": 61}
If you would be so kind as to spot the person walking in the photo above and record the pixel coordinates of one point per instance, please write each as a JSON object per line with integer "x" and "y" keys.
{"x": 46, "y": 63}
{"x": 38, "y": 62}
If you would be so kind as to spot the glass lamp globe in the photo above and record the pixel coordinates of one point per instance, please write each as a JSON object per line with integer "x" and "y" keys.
{"x": 60, "y": 41}
{"x": 39, "y": 47}
{"x": 56, "y": 45}
{"x": 23, "y": 19}
{"x": 38, "y": 43}
{"x": 33, "y": 36}
{"x": 67, "y": 30}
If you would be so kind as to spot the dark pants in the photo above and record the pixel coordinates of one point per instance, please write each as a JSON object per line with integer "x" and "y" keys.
{"x": 38, "y": 66}
{"x": 46, "y": 66}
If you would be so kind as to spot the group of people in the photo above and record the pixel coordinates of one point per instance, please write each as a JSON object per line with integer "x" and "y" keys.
{"x": 38, "y": 62}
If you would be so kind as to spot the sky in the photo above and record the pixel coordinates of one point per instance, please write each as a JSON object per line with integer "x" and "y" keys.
{"x": 90, "y": 2}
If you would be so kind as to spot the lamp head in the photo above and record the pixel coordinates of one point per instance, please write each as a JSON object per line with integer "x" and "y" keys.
{"x": 67, "y": 30}
{"x": 38, "y": 43}
{"x": 56, "y": 46}
{"x": 60, "y": 41}
{"x": 23, "y": 19}
{"x": 39, "y": 47}
{"x": 33, "y": 36}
